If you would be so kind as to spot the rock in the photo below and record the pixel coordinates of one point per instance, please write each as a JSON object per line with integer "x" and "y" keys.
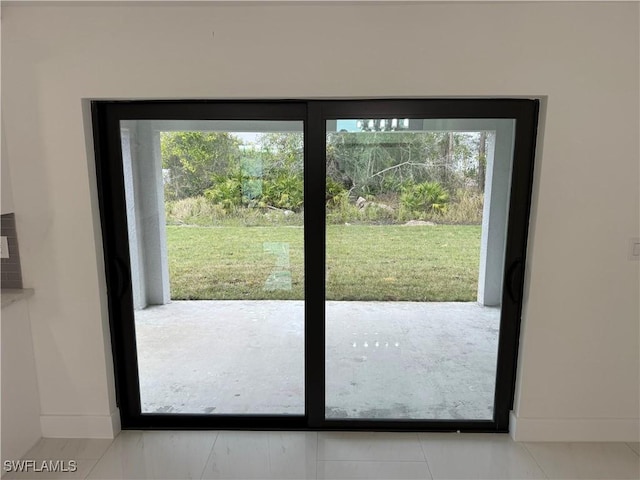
{"x": 418, "y": 223}
{"x": 362, "y": 203}
{"x": 384, "y": 207}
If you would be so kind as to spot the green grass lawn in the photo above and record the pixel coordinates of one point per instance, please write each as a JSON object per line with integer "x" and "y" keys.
{"x": 364, "y": 262}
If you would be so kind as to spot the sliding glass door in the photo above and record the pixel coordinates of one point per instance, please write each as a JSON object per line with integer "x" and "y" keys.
{"x": 412, "y": 322}
{"x": 214, "y": 217}
{"x": 315, "y": 264}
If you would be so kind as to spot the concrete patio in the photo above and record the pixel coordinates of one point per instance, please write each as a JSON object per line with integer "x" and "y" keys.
{"x": 400, "y": 360}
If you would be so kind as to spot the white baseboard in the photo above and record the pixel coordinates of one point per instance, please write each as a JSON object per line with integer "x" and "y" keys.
{"x": 80, "y": 426}
{"x": 574, "y": 429}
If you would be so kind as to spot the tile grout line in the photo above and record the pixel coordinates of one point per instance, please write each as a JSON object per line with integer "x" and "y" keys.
{"x": 524, "y": 446}
{"x": 317, "y": 448}
{"x": 269, "y": 433}
{"x": 206, "y": 462}
{"x": 101, "y": 456}
{"x": 627, "y": 444}
{"x": 424, "y": 454}
{"x": 374, "y": 461}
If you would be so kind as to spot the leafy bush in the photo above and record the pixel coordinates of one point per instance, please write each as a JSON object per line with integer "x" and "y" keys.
{"x": 241, "y": 200}
{"x": 419, "y": 199}
{"x": 335, "y": 192}
{"x": 340, "y": 210}
{"x": 284, "y": 191}
{"x": 226, "y": 192}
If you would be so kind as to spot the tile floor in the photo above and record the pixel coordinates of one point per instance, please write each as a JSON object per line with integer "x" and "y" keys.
{"x": 327, "y": 455}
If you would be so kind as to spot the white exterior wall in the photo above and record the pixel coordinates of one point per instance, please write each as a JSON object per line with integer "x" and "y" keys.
{"x": 578, "y": 376}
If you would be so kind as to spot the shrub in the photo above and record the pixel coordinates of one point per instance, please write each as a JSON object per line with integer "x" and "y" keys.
{"x": 202, "y": 212}
{"x": 340, "y": 209}
{"x": 466, "y": 208}
{"x": 377, "y": 213}
{"x": 226, "y": 192}
{"x": 419, "y": 199}
{"x": 284, "y": 191}
{"x": 335, "y": 192}
{"x": 192, "y": 211}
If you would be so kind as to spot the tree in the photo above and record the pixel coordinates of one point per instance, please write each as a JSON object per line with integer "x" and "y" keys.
{"x": 193, "y": 159}
{"x": 282, "y": 175}
{"x": 282, "y": 151}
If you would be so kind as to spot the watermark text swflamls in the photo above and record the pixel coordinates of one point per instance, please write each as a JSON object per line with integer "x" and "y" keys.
{"x": 62, "y": 466}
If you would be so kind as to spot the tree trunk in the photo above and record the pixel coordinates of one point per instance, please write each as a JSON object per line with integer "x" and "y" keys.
{"x": 449, "y": 157}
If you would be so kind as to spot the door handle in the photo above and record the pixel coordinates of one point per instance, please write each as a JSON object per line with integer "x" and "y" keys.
{"x": 512, "y": 279}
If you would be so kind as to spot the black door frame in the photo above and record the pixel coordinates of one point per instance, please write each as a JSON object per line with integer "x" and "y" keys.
{"x": 110, "y": 181}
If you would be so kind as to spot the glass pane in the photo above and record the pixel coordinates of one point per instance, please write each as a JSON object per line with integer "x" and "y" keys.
{"x": 215, "y": 215}
{"x": 416, "y": 218}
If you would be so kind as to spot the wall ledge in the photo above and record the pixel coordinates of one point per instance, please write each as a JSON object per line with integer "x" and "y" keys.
{"x": 524, "y": 429}
{"x": 80, "y": 426}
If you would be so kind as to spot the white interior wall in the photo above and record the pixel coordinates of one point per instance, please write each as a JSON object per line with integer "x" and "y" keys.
{"x": 20, "y": 406}
{"x": 20, "y": 399}
{"x": 6, "y": 201}
{"x": 579, "y": 365}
